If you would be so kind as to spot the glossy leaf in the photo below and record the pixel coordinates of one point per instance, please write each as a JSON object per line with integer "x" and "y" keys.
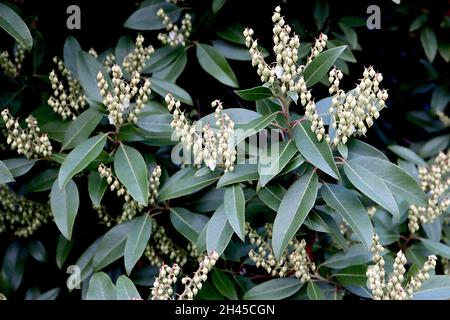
{"x": 125, "y": 289}
{"x": 224, "y": 284}
{"x": 18, "y": 166}
{"x": 275, "y": 289}
{"x": 347, "y": 204}
{"x": 253, "y": 94}
{"x": 273, "y": 161}
{"x": 80, "y": 157}
{"x": 317, "y": 153}
{"x": 271, "y": 195}
{"x": 320, "y": 65}
{"x": 81, "y": 128}
{"x": 187, "y": 223}
{"x": 295, "y": 206}
{"x": 407, "y": 154}
{"x": 241, "y": 173}
{"x": 218, "y": 232}
{"x": 15, "y": 26}
{"x": 101, "y": 288}
{"x": 146, "y": 18}
{"x": 64, "y": 204}
{"x": 96, "y": 188}
{"x": 234, "y": 205}
{"x": 5, "y": 175}
{"x": 314, "y": 292}
{"x": 130, "y": 168}
{"x": 371, "y": 185}
{"x": 163, "y": 87}
{"x": 216, "y": 65}
{"x": 140, "y": 231}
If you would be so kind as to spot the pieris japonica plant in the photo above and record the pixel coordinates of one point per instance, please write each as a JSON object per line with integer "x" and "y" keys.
{"x": 167, "y": 197}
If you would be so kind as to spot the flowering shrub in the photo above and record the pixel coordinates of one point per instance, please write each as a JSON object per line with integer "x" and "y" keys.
{"x": 189, "y": 203}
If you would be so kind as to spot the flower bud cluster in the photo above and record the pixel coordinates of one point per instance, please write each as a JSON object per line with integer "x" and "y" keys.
{"x": 154, "y": 184}
{"x": 352, "y": 113}
{"x": 175, "y": 35}
{"x": 195, "y": 283}
{"x": 109, "y": 61}
{"x": 435, "y": 182}
{"x": 394, "y": 288}
{"x": 130, "y": 207}
{"x": 208, "y": 146}
{"x": 319, "y": 46}
{"x": 118, "y": 99}
{"x": 68, "y": 98}
{"x": 296, "y": 262}
{"x": 371, "y": 211}
{"x": 285, "y": 73}
{"x": 136, "y": 60}
{"x": 30, "y": 142}
{"x": 162, "y": 248}
{"x": 20, "y": 215}
{"x": 162, "y": 286}
{"x": 444, "y": 118}
{"x": 93, "y": 53}
{"x": 12, "y": 68}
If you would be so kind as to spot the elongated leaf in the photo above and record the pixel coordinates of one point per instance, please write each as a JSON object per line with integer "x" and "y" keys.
{"x": 224, "y": 284}
{"x": 241, "y": 173}
{"x": 253, "y": 127}
{"x": 88, "y": 68}
{"x": 173, "y": 70}
{"x": 295, "y": 206}
{"x": 357, "y": 148}
{"x": 234, "y": 205}
{"x": 111, "y": 246}
{"x": 80, "y": 129}
{"x": 318, "y": 153}
{"x": 161, "y": 58}
{"x": 372, "y": 186}
{"x": 19, "y": 166}
{"x": 155, "y": 122}
{"x": 273, "y": 161}
{"x": 130, "y": 168}
{"x": 216, "y": 65}
{"x": 356, "y": 254}
{"x": 218, "y": 232}
{"x": 37, "y": 251}
{"x": 63, "y": 248}
{"x": 354, "y": 275}
{"x": 275, "y": 289}
{"x": 346, "y": 203}
{"x": 314, "y": 292}
{"x": 5, "y": 175}
{"x": 101, "y": 288}
{"x": 64, "y": 204}
{"x": 187, "y": 223}
{"x": 429, "y": 42}
{"x": 437, "y": 248}
{"x": 320, "y": 65}
{"x": 407, "y": 154}
{"x": 435, "y": 288}
{"x": 42, "y": 182}
{"x": 14, "y": 25}
{"x": 137, "y": 240}
{"x": 146, "y": 18}
{"x": 434, "y": 145}
{"x": 187, "y": 184}
{"x": 271, "y": 195}
{"x": 96, "y": 188}
{"x": 163, "y": 87}
{"x": 80, "y": 157}
{"x": 70, "y": 54}
{"x": 396, "y": 179}
{"x": 125, "y": 289}
{"x": 253, "y": 94}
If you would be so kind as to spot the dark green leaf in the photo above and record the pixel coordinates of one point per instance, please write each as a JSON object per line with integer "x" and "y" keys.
{"x": 224, "y": 284}
{"x": 163, "y": 87}
{"x": 101, "y": 288}
{"x": 80, "y": 157}
{"x": 321, "y": 64}
{"x": 295, "y": 206}
{"x": 253, "y": 94}
{"x": 273, "y": 161}
{"x": 275, "y": 289}
{"x": 125, "y": 289}
{"x": 318, "y": 153}
{"x": 130, "y": 168}
{"x": 19, "y": 166}
{"x": 271, "y": 195}
{"x": 234, "y": 205}
{"x": 14, "y": 25}
{"x": 146, "y": 18}
{"x": 218, "y": 232}
{"x": 429, "y": 42}
{"x": 141, "y": 229}
{"x": 241, "y": 173}
{"x": 64, "y": 204}
{"x": 96, "y": 188}
{"x": 314, "y": 292}
{"x": 216, "y": 65}
{"x": 81, "y": 128}
{"x": 5, "y": 175}
{"x": 187, "y": 223}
